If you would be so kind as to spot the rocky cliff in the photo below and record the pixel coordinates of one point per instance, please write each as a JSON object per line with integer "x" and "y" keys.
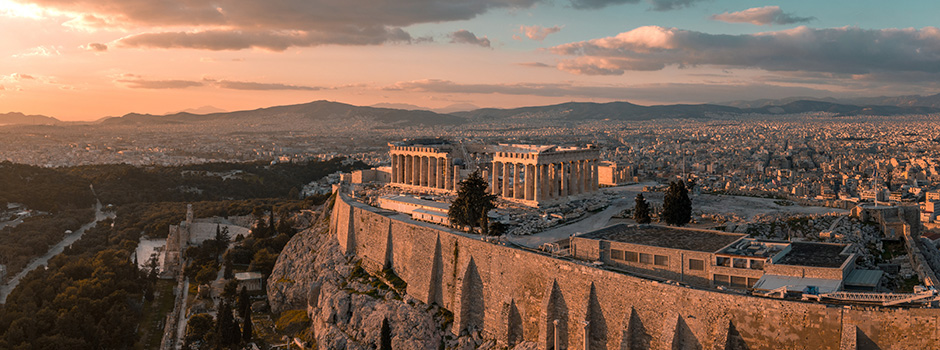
{"x": 347, "y": 305}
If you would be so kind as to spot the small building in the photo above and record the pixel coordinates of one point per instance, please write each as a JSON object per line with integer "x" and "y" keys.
{"x": 252, "y": 281}
{"x": 708, "y": 258}
{"x": 419, "y": 209}
{"x": 374, "y": 175}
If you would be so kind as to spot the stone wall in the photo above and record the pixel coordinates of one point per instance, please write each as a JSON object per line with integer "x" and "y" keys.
{"x": 511, "y": 295}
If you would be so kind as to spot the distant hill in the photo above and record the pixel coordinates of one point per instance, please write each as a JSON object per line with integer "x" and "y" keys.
{"x": 201, "y": 110}
{"x": 325, "y": 111}
{"x": 897, "y": 101}
{"x": 20, "y": 118}
{"x": 579, "y": 111}
{"x": 315, "y": 113}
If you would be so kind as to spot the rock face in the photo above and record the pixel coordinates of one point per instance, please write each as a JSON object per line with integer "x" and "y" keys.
{"x": 347, "y": 305}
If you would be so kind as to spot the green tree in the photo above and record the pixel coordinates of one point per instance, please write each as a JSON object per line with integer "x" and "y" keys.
{"x": 263, "y": 261}
{"x": 247, "y": 328}
{"x": 197, "y": 326}
{"x": 243, "y": 303}
{"x": 472, "y": 204}
{"x": 641, "y": 211}
{"x": 229, "y": 290}
{"x": 677, "y": 207}
{"x": 227, "y": 331}
{"x": 222, "y": 239}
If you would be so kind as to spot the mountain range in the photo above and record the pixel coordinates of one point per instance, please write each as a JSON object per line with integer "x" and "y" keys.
{"x": 898, "y": 101}
{"x": 20, "y": 118}
{"x": 326, "y": 111}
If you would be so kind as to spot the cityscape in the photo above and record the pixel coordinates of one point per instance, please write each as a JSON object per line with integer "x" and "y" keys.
{"x": 494, "y": 174}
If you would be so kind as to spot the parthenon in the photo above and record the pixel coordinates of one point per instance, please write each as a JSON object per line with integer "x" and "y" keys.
{"x": 543, "y": 173}
{"x": 529, "y": 174}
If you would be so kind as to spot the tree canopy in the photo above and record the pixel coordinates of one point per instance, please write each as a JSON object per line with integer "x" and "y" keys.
{"x": 677, "y": 206}
{"x": 641, "y": 212}
{"x": 472, "y": 204}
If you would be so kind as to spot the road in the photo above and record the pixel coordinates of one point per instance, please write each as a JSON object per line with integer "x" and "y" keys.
{"x": 53, "y": 251}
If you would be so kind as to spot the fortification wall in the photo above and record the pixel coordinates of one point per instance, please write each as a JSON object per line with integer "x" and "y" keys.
{"x": 514, "y": 295}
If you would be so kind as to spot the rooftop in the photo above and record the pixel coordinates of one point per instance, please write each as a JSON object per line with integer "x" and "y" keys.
{"x": 814, "y": 255}
{"x": 665, "y": 237}
{"x": 755, "y": 248}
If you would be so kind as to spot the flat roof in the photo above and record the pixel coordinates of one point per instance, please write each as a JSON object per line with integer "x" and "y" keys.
{"x": 797, "y": 284}
{"x": 665, "y": 237}
{"x": 864, "y": 278}
{"x": 814, "y": 255}
{"x": 241, "y": 276}
{"x": 418, "y": 202}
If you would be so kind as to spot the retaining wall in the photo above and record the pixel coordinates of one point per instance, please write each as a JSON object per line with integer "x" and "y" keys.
{"x": 513, "y": 295}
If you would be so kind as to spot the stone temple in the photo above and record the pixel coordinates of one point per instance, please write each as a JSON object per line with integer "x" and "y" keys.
{"x": 528, "y": 174}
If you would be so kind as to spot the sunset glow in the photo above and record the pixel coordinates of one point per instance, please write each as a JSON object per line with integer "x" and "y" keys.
{"x": 83, "y": 60}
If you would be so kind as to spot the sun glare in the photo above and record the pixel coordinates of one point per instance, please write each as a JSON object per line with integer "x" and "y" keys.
{"x": 9, "y": 8}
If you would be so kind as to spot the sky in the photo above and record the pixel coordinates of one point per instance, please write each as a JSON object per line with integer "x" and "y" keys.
{"x": 88, "y": 59}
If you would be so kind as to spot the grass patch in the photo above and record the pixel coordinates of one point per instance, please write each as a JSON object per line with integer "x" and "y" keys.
{"x": 892, "y": 249}
{"x": 399, "y": 284}
{"x": 154, "y": 315}
{"x": 292, "y": 322}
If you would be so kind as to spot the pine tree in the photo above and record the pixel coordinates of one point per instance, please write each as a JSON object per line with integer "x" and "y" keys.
{"x": 247, "y": 328}
{"x": 641, "y": 212}
{"x": 472, "y": 204}
{"x": 677, "y": 207}
{"x": 243, "y": 303}
{"x": 227, "y": 331}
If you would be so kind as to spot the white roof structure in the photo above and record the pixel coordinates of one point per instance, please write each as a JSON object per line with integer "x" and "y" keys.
{"x": 797, "y": 284}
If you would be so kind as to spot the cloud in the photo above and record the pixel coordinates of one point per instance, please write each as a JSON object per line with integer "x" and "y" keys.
{"x": 248, "y": 85}
{"x": 40, "y": 51}
{"x": 465, "y": 37}
{"x": 136, "y": 82}
{"x": 159, "y": 84}
{"x": 537, "y": 33}
{"x": 665, "y": 93}
{"x": 761, "y": 16}
{"x": 217, "y": 40}
{"x": 97, "y": 47}
{"x": 21, "y": 76}
{"x": 284, "y": 23}
{"x": 655, "y": 5}
{"x": 847, "y": 50}
{"x": 534, "y": 64}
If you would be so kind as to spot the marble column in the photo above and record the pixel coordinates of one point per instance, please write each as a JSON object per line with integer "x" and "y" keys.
{"x": 494, "y": 183}
{"x": 456, "y": 177}
{"x": 552, "y": 181}
{"x": 539, "y": 178}
{"x": 584, "y": 175}
{"x": 594, "y": 182}
{"x": 505, "y": 179}
{"x": 563, "y": 180}
{"x": 448, "y": 175}
{"x": 441, "y": 172}
{"x": 529, "y": 182}
{"x": 573, "y": 178}
{"x": 401, "y": 168}
{"x": 407, "y": 169}
{"x": 516, "y": 193}
{"x": 392, "y": 160}
{"x": 432, "y": 172}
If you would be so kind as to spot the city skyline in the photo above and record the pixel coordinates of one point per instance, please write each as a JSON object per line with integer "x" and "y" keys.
{"x": 90, "y": 59}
